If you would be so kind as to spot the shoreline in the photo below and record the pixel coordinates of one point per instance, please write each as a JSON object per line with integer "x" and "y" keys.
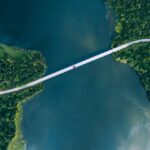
{"x": 19, "y": 67}
{"x": 128, "y": 27}
{"x": 18, "y": 142}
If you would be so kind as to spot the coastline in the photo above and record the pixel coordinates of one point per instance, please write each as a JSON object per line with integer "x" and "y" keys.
{"x": 130, "y": 25}
{"x": 18, "y": 142}
{"x": 19, "y": 66}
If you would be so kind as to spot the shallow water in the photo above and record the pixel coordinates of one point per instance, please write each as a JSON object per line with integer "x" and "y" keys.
{"x": 100, "y": 106}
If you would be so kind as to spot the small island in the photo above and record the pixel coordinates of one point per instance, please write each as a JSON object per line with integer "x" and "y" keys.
{"x": 133, "y": 23}
{"x": 17, "y": 67}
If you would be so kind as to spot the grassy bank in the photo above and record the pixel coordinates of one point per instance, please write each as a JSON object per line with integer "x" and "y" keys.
{"x": 17, "y": 67}
{"x": 132, "y": 23}
{"x": 18, "y": 142}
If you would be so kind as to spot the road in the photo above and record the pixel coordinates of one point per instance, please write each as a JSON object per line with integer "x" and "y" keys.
{"x": 72, "y": 67}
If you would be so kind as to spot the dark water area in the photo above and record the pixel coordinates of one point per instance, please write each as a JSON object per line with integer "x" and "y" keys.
{"x": 100, "y": 106}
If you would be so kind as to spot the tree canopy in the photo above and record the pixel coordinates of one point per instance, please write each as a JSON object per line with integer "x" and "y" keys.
{"x": 17, "y": 67}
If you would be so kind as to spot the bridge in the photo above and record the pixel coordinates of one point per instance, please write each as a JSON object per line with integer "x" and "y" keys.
{"x": 72, "y": 67}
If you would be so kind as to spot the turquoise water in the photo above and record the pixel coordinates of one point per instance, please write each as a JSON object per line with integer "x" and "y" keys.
{"x": 100, "y": 106}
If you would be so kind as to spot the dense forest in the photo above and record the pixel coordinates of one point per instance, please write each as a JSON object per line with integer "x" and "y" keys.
{"x": 17, "y": 66}
{"x": 133, "y": 23}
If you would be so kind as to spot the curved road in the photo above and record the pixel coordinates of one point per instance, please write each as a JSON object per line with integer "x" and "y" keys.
{"x": 74, "y": 66}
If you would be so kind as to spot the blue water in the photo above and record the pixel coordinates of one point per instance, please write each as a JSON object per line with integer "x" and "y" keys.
{"x": 100, "y": 106}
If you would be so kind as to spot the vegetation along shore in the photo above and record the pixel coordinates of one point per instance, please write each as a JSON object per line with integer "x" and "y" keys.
{"x": 17, "y": 67}
{"x": 133, "y": 23}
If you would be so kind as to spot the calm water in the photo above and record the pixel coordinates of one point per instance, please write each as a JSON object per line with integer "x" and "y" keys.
{"x": 100, "y": 106}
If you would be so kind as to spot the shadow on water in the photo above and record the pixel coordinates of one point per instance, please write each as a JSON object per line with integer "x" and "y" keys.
{"x": 99, "y": 106}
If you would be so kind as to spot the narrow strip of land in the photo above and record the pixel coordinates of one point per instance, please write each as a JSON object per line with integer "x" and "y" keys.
{"x": 74, "y": 66}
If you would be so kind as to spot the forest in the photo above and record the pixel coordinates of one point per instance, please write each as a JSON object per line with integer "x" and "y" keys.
{"x": 17, "y": 67}
{"x": 132, "y": 23}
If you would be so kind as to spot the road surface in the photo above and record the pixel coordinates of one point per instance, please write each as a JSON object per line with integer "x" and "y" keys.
{"x": 74, "y": 66}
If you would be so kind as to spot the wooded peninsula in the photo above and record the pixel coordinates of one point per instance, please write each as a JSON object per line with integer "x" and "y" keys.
{"x": 17, "y": 67}
{"x": 133, "y": 23}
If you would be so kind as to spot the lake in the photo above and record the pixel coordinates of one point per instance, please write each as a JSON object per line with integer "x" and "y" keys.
{"x": 100, "y": 106}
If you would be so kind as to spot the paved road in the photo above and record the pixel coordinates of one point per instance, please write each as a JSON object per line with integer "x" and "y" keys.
{"x": 74, "y": 66}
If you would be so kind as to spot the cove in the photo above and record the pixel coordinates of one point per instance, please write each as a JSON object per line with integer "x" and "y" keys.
{"x": 99, "y": 106}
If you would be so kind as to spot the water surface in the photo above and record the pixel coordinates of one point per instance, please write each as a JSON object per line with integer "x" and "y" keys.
{"x": 100, "y": 106}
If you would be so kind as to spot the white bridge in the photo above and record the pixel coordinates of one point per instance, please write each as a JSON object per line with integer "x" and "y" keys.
{"x": 74, "y": 66}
